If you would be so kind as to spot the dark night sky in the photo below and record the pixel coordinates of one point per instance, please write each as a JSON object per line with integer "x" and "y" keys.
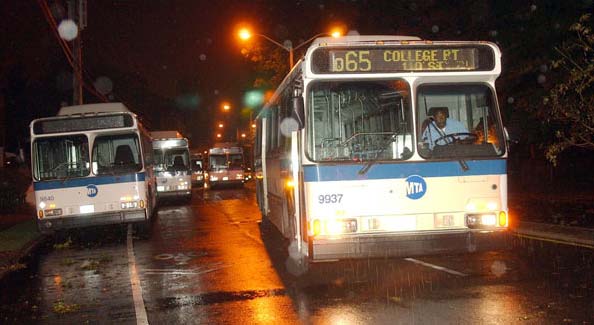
{"x": 174, "y": 61}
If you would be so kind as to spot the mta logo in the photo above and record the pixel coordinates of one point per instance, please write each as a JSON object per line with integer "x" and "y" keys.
{"x": 416, "y": 187}
{"x": 92, "y": 190}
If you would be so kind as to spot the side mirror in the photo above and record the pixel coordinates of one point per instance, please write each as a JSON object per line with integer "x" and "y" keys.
{"x": 298, "y": 110}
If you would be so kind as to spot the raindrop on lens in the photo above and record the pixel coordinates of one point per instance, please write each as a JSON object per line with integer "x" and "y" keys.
{"x": 202, "y": 57}
{"x": 435, "y": 28}
{"x": 541, "y": 78}
{"x": 288, "y": 125}
{"x": 498, "y": 268}
{"x": 103, "y": 85}
{"x": 68, "y": 29}
{"x": 543, "y": 68}
{"x": 510, "y": 100}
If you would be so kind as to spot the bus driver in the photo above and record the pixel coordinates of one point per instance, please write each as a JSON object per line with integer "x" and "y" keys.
{"x": 439, "y": 126}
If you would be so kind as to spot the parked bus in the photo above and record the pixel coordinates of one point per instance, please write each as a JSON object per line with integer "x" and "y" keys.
{"x": 91, "y": 165}
{"x": 344, "y": 165}
{"x": 172, "y": 165}
{"x": 197, "y": 164}
{"x": 225, "y": 165}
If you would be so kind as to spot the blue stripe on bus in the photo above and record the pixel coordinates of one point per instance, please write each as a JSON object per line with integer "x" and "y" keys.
{"x": 81, "y": 182}
{"x": 325, "y": 173}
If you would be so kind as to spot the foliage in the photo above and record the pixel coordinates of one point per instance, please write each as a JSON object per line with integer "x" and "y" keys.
{"x": 569, "y": 106}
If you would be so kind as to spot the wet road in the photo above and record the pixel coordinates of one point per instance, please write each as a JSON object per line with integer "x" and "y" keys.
{"x": 209, "y": 262}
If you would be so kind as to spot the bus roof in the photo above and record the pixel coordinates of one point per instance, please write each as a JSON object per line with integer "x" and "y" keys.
{"x": 92, "y": 108}
{"x": 166, "y": 135}
{"x": 363, "y": 38}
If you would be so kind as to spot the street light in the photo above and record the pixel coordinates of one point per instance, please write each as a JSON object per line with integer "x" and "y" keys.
{"x": 245, "y": 34}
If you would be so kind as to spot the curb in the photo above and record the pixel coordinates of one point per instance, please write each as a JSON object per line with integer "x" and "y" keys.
{"x": 575, "y": 236}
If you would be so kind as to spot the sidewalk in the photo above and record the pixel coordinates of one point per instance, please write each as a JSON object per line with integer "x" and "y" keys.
{"x": 18, "y": 238}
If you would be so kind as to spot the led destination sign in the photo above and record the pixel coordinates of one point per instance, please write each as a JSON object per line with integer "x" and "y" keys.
{"x": 403, "y": 59}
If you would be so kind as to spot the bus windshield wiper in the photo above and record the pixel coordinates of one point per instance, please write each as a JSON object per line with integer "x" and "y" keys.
{"x": 371, "y": 162}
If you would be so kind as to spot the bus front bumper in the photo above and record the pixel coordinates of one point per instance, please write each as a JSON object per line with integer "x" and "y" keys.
{"x": 404, "y": 245}
{"x": 50, "y": 225}
{"x": 174, "y": 194}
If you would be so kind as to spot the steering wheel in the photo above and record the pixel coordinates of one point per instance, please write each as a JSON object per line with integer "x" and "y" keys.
{"x": 448, "y": 139}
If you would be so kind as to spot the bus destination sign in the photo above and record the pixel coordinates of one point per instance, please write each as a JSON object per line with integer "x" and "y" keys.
{"x": 402, "y": 59}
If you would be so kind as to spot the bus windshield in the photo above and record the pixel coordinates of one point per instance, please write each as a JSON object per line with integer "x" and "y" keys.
{"x": 359, "y": 121}
{"x": 116, "y": 154}
{"x": 452, "y": 124}
{"x": 220, "y": 162}
{"x": 61, "y": 157}
{"x": 171, "y": 159}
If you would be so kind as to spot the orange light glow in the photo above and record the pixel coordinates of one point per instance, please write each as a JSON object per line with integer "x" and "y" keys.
{"x": 244, "y": 34}
{"x": 220, "y": 125}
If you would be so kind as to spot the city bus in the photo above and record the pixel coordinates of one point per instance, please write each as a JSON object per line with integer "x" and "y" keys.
{"x": 225, "y": 165}
{"x": 342, "y": 160}
{"x": 172, "y": 165}
{"x": 92, "y": 165}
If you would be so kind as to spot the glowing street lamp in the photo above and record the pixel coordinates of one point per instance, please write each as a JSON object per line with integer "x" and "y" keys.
{"x": 226, "y": 107}
{"x": 245, "y": 34}
{"x": 219, "y": 135}
{"x": 221, "y": 125}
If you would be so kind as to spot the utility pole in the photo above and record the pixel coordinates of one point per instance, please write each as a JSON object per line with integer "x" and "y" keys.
{"x": 77, "y": 12}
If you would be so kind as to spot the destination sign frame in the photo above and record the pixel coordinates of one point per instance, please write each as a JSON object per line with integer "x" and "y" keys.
{"x": 78, "y": 124}
{"x": 403, "y": 58}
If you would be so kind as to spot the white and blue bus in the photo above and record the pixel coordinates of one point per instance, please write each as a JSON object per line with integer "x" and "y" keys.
{"x": 346, "y": 166}
{"x": 172, "y": 165}
{"x": 225, "y": 165}
{"x": 92, "y": 165}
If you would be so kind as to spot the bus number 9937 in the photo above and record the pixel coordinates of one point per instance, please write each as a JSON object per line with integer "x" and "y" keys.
{"x": 329, "y": 198}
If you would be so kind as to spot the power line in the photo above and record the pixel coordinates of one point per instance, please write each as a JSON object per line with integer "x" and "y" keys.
{"x": 66, "y": 49}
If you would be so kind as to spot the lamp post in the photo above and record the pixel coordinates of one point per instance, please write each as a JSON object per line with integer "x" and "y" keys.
{"x": 246, "y": 34}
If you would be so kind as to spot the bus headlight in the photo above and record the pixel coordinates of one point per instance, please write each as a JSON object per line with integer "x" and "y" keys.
{"x": 333, "y": 227}
{"x": 486, "y": 220}
{"x": 52, "y": 212}
{"x": 130, "y": 205}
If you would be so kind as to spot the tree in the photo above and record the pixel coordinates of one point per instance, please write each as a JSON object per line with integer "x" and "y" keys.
{"x": 569, "y": 105}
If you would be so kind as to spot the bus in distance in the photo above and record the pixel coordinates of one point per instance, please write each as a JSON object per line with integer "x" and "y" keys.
{"x": 197, "y": 163}
{"x": 172, "y": 165}
{"x": 376, "y": 146}
{"x": 92, "y": 165}
{"x": 225, "y": 165}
